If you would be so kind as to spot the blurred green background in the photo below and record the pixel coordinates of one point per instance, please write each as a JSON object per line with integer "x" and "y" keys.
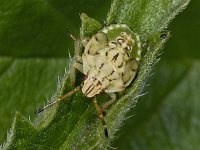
{"x": 33, "y": 49}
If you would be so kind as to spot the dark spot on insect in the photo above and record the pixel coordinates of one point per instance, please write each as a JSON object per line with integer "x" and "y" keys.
{"x": 99, "y": 83}
{"x": 94, "y": 79}
{"x": 134, "y": 70}
{"x": 107, "y": 53}
{"x": 115, "y": 79}
{"x": 90, "y": 90}
{"x": 127, "y": 54}
{"x": 101, "y": 65}
{"x": 96, "y": 39}
{"x": 115, "y": 57}
{"x": 87, "y": 91}
{"x": 112, "y": 72}
{"x": 89, "y": 49}
{"x": 110, "y": 80}
{"x": 122, "y": 74}
{"x": 97, "y": 53}
{"x": 113, "y": 42}
{"x": 120, "y": 65}
{"x": 125, "y": 82}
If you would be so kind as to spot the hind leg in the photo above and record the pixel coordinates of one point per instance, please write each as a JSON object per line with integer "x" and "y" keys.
{"x": 101, "y": 116}
{"x": 110, "y": 102}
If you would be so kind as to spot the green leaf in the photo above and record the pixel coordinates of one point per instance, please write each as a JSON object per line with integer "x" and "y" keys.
{"x": 89, "y": 26}
{"x": 73, "y": 124}
{"x": 167, "y": 117}
{"x": 148, "y": 17}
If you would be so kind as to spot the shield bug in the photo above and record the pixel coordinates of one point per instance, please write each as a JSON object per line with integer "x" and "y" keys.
{"x": 109, "y": 63}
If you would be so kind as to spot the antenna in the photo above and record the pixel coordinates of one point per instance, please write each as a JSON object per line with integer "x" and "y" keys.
{"x": 58, "y": 100}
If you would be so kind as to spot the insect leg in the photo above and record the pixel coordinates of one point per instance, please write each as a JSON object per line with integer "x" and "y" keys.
{"x": 58, "y": 100}
{"x": 85, "y": 40}
{"x": 77, "y": 59}
{"x": 110, "y": 102}
{"x": 77, "y": 45}
{"x": 78, "y": 66}
{"x": 100, "y": 113}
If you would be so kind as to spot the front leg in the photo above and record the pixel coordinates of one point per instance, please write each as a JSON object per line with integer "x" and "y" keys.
{"x": 76, "y": 60}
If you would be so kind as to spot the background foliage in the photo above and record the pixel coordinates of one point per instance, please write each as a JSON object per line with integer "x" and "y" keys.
{"x": 32, "y": 54}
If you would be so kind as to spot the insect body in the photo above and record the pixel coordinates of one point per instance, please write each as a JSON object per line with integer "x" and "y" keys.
{"x": 109, "y": 62}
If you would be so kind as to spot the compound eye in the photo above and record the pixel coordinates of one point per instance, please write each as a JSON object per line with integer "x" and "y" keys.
{"x": 120, "y": 40}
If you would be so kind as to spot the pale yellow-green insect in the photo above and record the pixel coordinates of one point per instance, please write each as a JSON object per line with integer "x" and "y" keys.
{"x": 109, "y": 63}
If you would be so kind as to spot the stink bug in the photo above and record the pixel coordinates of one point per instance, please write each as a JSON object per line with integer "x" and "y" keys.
{"x": 109, "y": 63}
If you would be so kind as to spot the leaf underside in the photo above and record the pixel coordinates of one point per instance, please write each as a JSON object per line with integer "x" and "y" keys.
{"x": 73, "y": 123}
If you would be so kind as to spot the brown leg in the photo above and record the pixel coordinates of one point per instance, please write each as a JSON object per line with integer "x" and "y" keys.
{"x": 58, "y": 100}
{"x": 100, "y": 113}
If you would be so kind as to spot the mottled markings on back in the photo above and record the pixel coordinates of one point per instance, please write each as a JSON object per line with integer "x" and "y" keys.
{"x": 134, "y": 70}
{"x": 89, "y": 49}
{"x": 125, "y": 82}
{"x": 101, "y": 65}
{"x": 120, "y": 66}
{"x": 112, "y": 72}
{"x": 115, "y": 57}
{"x": 115, "y": 79}
{"x": 88, "y": 89}
{"x": 99, "y": 83}
{"x": 128, "y": 55}
{"x": 113, "y": 42}
{"x": 91, "y": 89}
{"x": 96, "y": 39}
